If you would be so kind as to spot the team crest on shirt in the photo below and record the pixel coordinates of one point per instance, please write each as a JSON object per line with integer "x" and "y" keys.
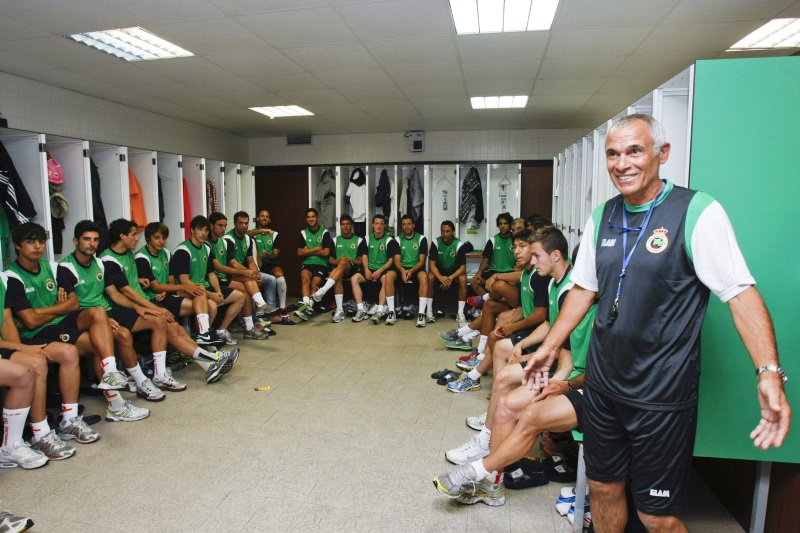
{"x": 381, "y": 247}
{"x": 415, "y": 246}
{"x": 452, "y": 253}
{"x": 50, "y": 285}
{"x": 658, "y": 241}
{"x": 205, "y": 258}
{"x": 319, "y": 239}
{"x": 64, "y": 337}
{"x": 352, "y": 246}
{"x": 99, "y": 275}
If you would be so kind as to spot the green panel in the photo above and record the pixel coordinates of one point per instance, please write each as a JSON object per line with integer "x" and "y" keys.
{"x": 745, "y": 138}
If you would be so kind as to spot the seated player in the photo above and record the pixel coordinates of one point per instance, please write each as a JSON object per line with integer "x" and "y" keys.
{"x": 35, "y": 357}
{"x": 519, "y": 413}
{"x": 376, "y": 265}
{"x": 497, "y": 255}
{"x": 344, "y": 264}
{"x": 410, "y": 250}
{"x": 517, "y": 225}
{"x": 20, "y": 380}
{"x": 152, "y": 264}
{"x": 517, "y": 325}
{"x": 190, "y": 264}
{"x": 447, "y": 260}
{"x": 231, "y": 273}
{"x": 314, "y": 246}
{"x": 268, "y": 243}
{"x": 96, "y": 285}
{"x": 47, "y": 315}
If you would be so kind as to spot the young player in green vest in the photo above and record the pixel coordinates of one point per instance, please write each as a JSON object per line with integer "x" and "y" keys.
{"x": 376, "y": 264}
{"x": 497, "y": 255}
{"x": 344, "y": 263}
{"x": 314, "y": 246}
{"x": 269, "y": 245}
{"x": 410, "y": 252}
{"x": 49, "y": 312}
{"x": 232, "y": 250}
{"x": 190, "y": 263}
{"x": 447, "y": 262}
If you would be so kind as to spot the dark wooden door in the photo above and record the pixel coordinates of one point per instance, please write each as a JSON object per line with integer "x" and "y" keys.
{"x": 537, "y": 189}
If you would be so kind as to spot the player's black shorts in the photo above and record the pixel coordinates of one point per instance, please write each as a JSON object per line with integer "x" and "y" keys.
{"x": 488, "y": 274}
{"x": 5, "y": 353}
{"x": 267, "y": 268}
{"x": 55, "y": 333}
{"x": 226, "y": 291}
{"x": 353, "y": 268}
{"x": 171, "y": 303}
{"x": 126, "y": 317}
{"x": 317, "y": 271}
{"x": 517, "y": 336}
{"x": 652, "y": 449}
{"x": 224, "y": 282}
{"x": 575, "y": 397}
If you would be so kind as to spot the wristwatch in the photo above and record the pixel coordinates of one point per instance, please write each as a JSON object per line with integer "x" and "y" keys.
{"x": 773, "y": 368}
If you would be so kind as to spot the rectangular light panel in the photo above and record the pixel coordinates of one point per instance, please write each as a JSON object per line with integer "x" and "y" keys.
{"x": 498, "y": 102}
{"x": 131, "y": 44}
{"x": 495, "y": 16}
{"x": 778, "y": 33}
{"x": 283, "y": 111}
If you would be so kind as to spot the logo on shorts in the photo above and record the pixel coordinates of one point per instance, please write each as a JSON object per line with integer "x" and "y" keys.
{"x": 50, "y": 285}
{"x": 99, "y": 275}
{"x": 64, "y": 337}
{"x": 657, "y": 242}
{"x": 659, "y": 493}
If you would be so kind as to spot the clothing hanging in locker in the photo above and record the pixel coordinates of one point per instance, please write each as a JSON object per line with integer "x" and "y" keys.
{"x": 16, "y": 201}
{"x": 161, "y": 211}
{"x": 138, "y": 211}
{"x": 97, "y": 207}
{"x": 471, "y": 197}
{"x": 383, "y": 196}
{"x": 212, "y": 204}
{"x": 59, "y": 207}
{"x": 325, "y": 196}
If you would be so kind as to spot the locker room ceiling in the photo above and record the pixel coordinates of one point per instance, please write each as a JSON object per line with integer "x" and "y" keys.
{"x": 375, "y": 66}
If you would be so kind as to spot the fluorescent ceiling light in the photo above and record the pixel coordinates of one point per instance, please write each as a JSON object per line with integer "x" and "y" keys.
{"x": 495, "y": 16}
{"x": 778, "y": 33}
{"x": 283, "y": 111}
{"x": 498, "y": 102}
{"x": 131, "y": 44}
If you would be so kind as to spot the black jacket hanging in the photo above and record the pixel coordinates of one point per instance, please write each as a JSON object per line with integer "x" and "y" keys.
{"x": 99, "y": 211}
{"x": 383, "y": 195}
{"x": 16, "y": 202}
{"x": 471, "y": 196}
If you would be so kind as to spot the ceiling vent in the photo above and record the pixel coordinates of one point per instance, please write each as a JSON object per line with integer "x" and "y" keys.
{"x": 293, "y": 140}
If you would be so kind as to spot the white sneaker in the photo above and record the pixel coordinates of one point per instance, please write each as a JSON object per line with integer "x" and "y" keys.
{"x": 169, "y": 383}
{"x": 338, "y": 316}
{"x": 461, "y": 320}
{"x": 477, "y": 422}
{"x": 421, "y": 321}
{"x": 468, "y": 452}
{"x": 128, "y": 413}
{"x": 150, "y": 392}
{"x": 430, "y": 318}
{"x": 21, "y": 454}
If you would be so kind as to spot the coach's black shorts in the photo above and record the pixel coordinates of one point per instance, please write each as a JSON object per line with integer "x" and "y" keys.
{"x": 317, "y": 271}
{"x": 575, "y": 397}
{"x": 171, "y": 303}
{"x": 517, "y": 336}
{"x": 652, "y": 449}
{"x": 125, "y": 317}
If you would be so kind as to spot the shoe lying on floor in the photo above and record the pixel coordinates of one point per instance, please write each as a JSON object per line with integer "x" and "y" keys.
{"x": 524, "y": 474}
{"x": 448, "y": 378}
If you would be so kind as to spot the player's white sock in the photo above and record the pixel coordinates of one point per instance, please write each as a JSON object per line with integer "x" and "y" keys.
{"x": 422, "y": 302}
{"x": 14, "y": 424}
{"x": 109, "y": 364}
{"x": 39, "y": 429}
{"x": 248, "y": 323}
{"x": 325, "y": 288}
{"x": 473, "y": 374}
{"x": 114, "y": 399}
{"x": 258, "y": 299}
{"x": 429, "y": 305}
{"x": 339, "y": 301}
{"x": 466, "y": 330}
{"x": 159, "y": 363}
{"x": 68, "y": 412}
{"x": 203, "y": 323}
{"x": 390, "y": 303}
{"x": 461, "y": 306}
{"x": 484, "y": 437}
{"x": 281, "y": 282}
{"x": 137, "y": 374}
{"x": 482, "y": 343}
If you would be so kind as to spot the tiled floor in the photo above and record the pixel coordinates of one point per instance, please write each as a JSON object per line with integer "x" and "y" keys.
{"x": 348, "y": 439}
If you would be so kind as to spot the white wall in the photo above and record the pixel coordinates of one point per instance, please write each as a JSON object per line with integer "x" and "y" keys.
{"x": 36, "y": 107}
{"x": 464, "y": 146}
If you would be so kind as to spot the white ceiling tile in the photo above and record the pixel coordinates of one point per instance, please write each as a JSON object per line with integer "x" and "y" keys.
{"x": 689, "y": 12}
{"x": 398, "y": 19}
{"x": 64, "y": 17}
{"x": 695, "y": 38}
{"x": 574, "y": 14}
{"x": 567, "y": 86}
{"x": 58, "y": 52}
{"x": 302, "y": 27}
{"x": 660, "y": 66}
{"x": 432, "y": 90}
{"x": 584, "y": 42}
{"x": 280, "y": 83}
{"x": 379, "y": 107}
{"x": 255, "y": 63}
{"x": 121, "y": 75}
{"x": 351, "y": 56}
{"x": 245, "y": 7}
{"x": 210, "y": 36}
{"x": 165, "y": 89}
{"x": 11, "y": 61}
{"x": 505, "y": 70}
{"x": 413, "y": 51}
{"x": 619, "y": 84}
{"x": 499, "y": 87}
{"x": 12, "y": 30}
{"x": 562, "y": 103}
{"x": 373, "y": 94}
{"x": 447, "y": 73}
{"x": 342, "y": 79}
{"x": 579, "y": 67}
{"x": 523, "y": 46}
{"x": 147, "y": 12}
